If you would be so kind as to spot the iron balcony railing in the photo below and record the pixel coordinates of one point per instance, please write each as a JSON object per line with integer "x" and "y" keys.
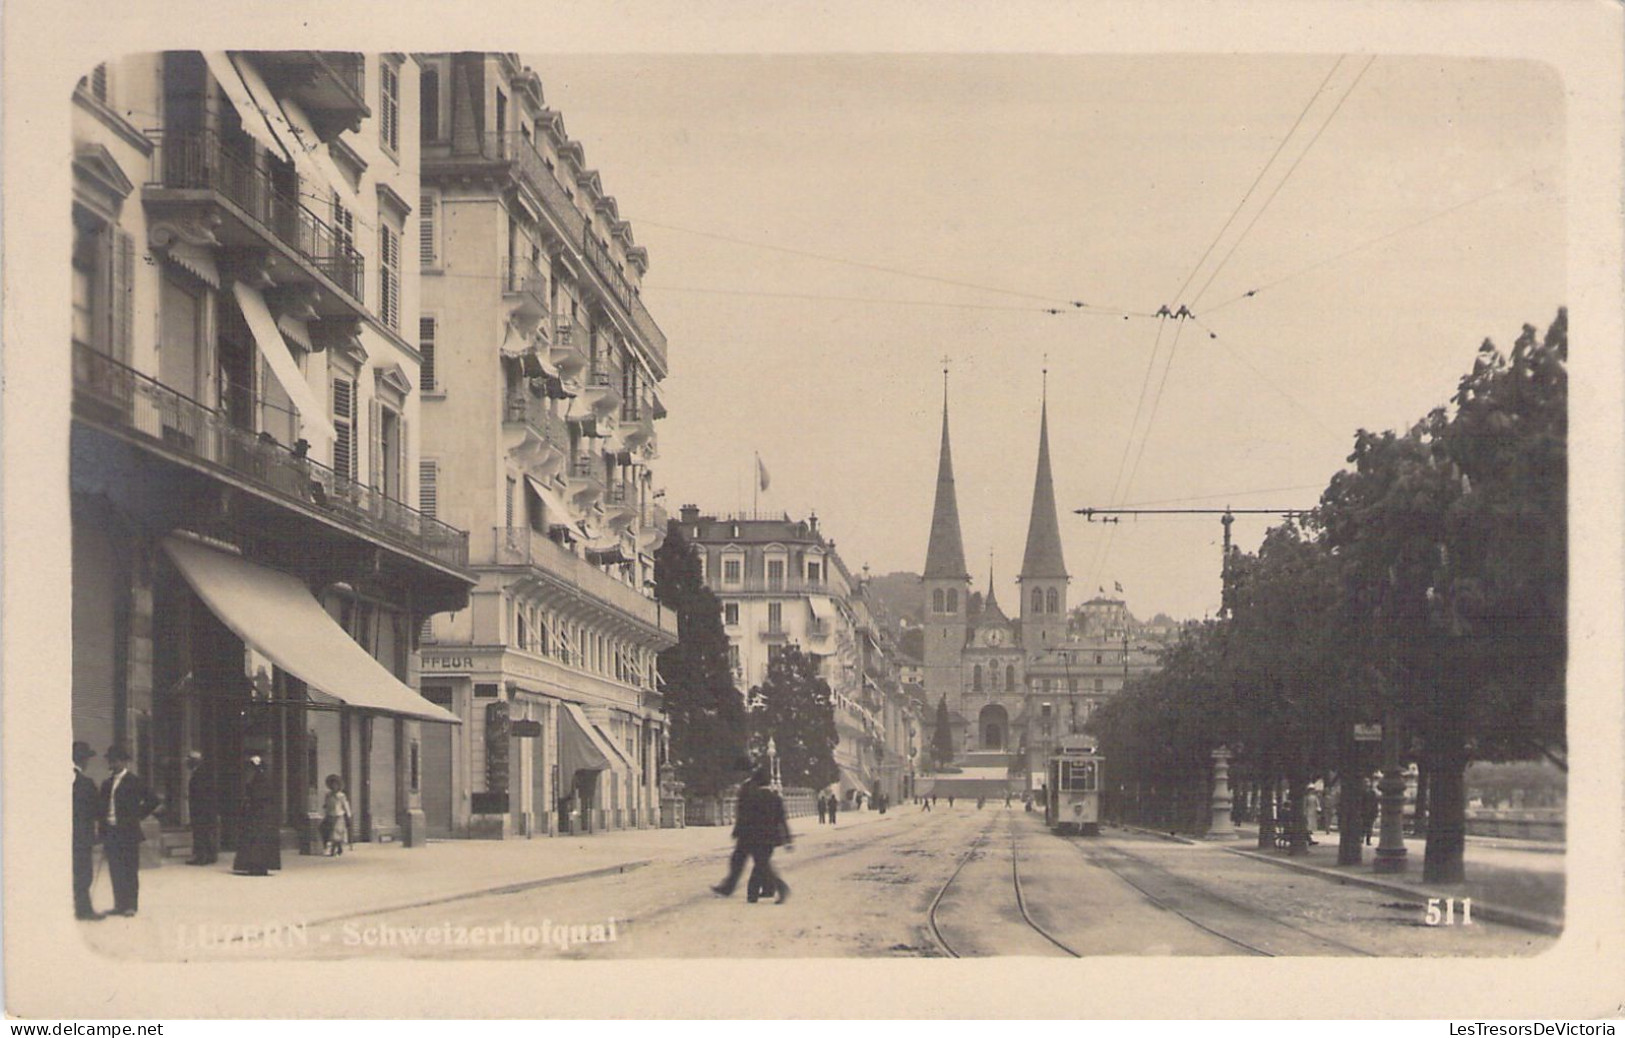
{"x": 347, "y": 67}
{"x": 200, "y": 160}
{"x": 522, "y": 406}
{"x": 522, "y": 546}
{"x": 523, "y": 277}
{"x": 116, "y": 394}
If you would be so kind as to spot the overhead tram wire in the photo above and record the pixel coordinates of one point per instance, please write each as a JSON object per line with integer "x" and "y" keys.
{"x": 1282, "y": 182}
{"x": 816, "y": 297}
{"x": 1075, "y": 304}
{"x": 1250, "y": 293}
{"x": 1258, "y": 179}
{"x": 1128, "y": 444}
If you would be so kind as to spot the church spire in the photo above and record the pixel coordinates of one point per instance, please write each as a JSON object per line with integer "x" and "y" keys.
{"x": 945, "y": 554}
{"x": 1043, "y": 559}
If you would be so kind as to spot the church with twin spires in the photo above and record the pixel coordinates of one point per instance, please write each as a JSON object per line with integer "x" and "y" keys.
{"x": 1013, "y": 686}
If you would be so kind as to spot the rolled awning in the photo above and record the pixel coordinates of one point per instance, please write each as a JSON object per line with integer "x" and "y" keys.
{"x": 255, "y": 122}
{"x": 580, "y": 748}
{"x": 277, "y": 616}
{"x": 275, "y": 351}
{"x": 822, "y": 607}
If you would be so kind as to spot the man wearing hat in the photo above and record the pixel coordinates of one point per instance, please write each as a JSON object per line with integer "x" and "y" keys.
{"x": 760, "y": 825}
{"x": 203, "y": 803}
{"x": 85, "y": 802}
{"x": 125, "y": 801}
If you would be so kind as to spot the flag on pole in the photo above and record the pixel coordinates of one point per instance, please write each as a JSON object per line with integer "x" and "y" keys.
{"x": 1118, "y": 586}
{"x": 763, "y": 480}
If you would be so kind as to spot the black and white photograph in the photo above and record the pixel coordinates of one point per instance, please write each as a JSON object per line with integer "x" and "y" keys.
{"x": 681, "y": 517}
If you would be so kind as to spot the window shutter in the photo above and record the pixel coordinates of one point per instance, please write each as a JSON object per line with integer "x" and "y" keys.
{"x": 429, "y": 488}
{"x": 344, "y": 462}
{"x": 426, "y": 372}
{"x": 123, "y": 308}
{"x": 375, "y": 444}
{"x": 427, "y": 214}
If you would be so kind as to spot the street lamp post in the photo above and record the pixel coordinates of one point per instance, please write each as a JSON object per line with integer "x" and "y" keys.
{"x": 1390, "y": 856}
{"x": 773, "y": 764}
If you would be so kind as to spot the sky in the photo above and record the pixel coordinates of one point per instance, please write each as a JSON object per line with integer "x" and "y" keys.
{"x": 824, "y": 230}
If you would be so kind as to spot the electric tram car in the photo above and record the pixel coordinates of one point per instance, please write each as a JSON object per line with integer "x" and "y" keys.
{"x": 1073, "y": 782}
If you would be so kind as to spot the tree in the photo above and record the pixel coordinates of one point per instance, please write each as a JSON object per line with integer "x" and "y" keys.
{"x": 704, "y": 709}
{"x": 794, "y": 707}
{"x": 942, "y": 740}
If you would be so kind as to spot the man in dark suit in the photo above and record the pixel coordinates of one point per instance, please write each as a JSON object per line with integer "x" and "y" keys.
{"x": 203, "y": 804}
{"x": 86, "y": 801}
{"x": 125, "y": 801}
{"x": 761, "y": 825}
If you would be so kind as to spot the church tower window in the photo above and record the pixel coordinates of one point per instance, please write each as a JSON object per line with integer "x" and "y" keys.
{"x": 936, "y": 600}
{"x": 1038, "y": 600}
{"x": 976, "y": 678}
{"x": 1053, "y": 601}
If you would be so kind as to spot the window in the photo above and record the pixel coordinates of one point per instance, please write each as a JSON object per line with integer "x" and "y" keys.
{"x": 815, "y": 573}
{"x": 1052, "y": 601}
{"x": 344, "y": 412}
{"x": 429, "y": 102}
{"x": 103, "y": 277}
{"x": 731, "y": 571}
{"x": 773, "y": 654}
{"x": 953, "y": 600}
{"x": 343, "y": 226}
{"x": 775, "y": 616}
{"x": 389, "y": 276}
{"x": 733, "y": 657}
{"x": 1100, "y": 684}
{"x": 519, "y": 625}
{"x": 502, "y": 113}
{"x": 386, "y": 477}
{"x": 429, "y": 488}
{"x": 775, "y": 574}
{"x": 976, "y": 679}
{"x": 1038, "y": 600}
{"x": 426, "y": 373}
{"x": 993, "y": 675}
{"x": 507, "y": 501}
{"x": 389, "y": 106}
{"x": 1010, "y": 676}
{"x": 730, "y": 614}
{"x": 1072, "y": 686}
{"x": 1098, "y": 658}
{"x": 428, "y": 221}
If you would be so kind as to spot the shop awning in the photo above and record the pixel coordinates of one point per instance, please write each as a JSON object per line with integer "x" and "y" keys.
{"x": 822, "y": 607}
{"x": 255, "y": 122}
{"x": 618, "y": 754}
{"x": 850, "y": 780}
{"x": 275, "y": 351}
{"x": 580, "y": 746}
{"x": 277, "y": 616}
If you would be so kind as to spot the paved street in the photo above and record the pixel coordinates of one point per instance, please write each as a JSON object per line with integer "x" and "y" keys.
{"x": 907, "y": 884}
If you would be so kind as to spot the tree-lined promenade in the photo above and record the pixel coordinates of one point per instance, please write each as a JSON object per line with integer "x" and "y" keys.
{"x": 1425, "y": 594}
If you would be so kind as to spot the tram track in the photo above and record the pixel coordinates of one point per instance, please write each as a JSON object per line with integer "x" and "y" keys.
{"x": 972, "y": 853}
{"x": 1111, "y": 859}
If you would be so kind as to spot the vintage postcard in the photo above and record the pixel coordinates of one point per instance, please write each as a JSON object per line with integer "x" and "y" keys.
{"x": 719, "y": 513}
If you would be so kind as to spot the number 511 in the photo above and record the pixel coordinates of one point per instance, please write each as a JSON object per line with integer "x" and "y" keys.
{"x": 1448, "y": 916}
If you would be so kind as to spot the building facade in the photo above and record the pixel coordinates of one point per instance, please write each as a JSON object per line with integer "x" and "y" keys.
{"x": 250, "y": 566}
{"x": 1013, "y": 685}
{"x": 781, "y": 583}
{"x": 540, "y": 394}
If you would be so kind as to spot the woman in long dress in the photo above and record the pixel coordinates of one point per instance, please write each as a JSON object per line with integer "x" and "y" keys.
{"x": 259, "y": 844}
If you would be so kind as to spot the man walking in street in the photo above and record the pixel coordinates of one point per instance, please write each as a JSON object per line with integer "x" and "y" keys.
{"x": 760, "y": 826}
{"x": 125, "y": 801}
{"x": 85, "y": 803}
{"x": 203, "y": 802}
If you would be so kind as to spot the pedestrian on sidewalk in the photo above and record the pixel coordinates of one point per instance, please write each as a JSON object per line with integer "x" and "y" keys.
{"x": 1369, "y": 805}
{"x": 1311, "y": 812}
{"x": 86, "y": 800}
{"x": 760, "y": 826}
{"x": 203, "y": 805}
{"x": 335, "y": 817}
{"x": 834, "y": 807}
{"x": 125, "y": 801}
{"x": 259, "y": 845}
{"x": 925, "y": 803}
{"x": 823, "y": 808}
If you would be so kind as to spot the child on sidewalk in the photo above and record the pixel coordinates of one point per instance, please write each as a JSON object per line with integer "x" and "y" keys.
{"x": 335, "y": 817}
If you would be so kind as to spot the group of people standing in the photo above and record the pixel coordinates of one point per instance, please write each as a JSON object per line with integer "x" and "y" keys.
{"x": 110, "y": 814}
{"x": 829, "y": 807}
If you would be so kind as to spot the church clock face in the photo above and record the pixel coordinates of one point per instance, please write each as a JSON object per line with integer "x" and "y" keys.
{"x": 995, "y": 637}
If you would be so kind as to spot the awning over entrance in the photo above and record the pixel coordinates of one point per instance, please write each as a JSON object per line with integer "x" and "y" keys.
{"x": 276, "y": 353}
{"x": 850, "y": 780}
{"x": 279, "y": 618}
{"x": 580, "y": 748}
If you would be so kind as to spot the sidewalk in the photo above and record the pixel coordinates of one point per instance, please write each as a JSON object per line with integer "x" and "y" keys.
{"x": 182, "y": 904}
{"x": 1515, "y": 882}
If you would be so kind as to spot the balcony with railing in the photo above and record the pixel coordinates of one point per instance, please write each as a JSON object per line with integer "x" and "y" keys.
{"x": 199, "y": 175}
{"x": 115, "y": 396}
{"x": 585, "y": 479}
{"x": 773, "y": 632}
{"x": 524, "y": 407}
{"x": 620, "y": 506}
{"x": 329, "y": 85}
{"x": 524, "y": 280}
{"x": 567, "y": 352}
{"x": 602, "y": 391}
{"x": 522, "y": 546}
